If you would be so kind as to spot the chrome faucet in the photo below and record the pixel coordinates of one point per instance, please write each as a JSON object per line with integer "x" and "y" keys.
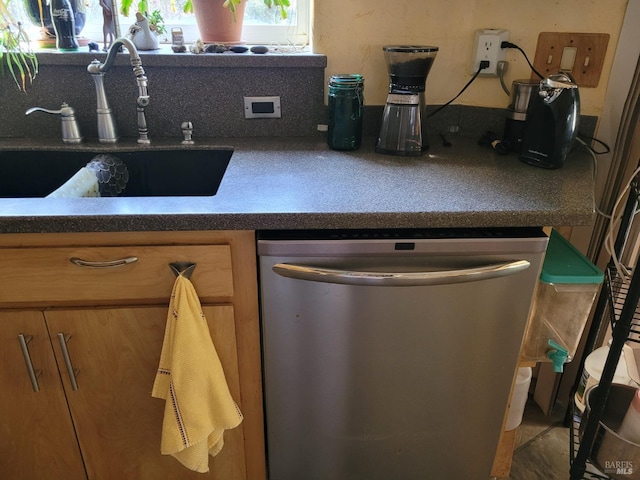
{"x": 106, "y": 124}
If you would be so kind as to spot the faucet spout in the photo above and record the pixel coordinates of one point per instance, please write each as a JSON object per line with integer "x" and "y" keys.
{"x": 106, "y": 123}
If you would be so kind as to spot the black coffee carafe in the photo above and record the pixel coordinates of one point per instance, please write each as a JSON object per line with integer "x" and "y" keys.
{"x": 552, "y": 122}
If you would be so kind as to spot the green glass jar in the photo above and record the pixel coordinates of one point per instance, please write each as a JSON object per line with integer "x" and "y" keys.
{"x": 346, "y": 99}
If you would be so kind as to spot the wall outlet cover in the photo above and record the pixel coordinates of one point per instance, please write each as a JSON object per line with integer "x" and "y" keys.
{"x": 262, "y": 107}
{"x": 486, "y": 46}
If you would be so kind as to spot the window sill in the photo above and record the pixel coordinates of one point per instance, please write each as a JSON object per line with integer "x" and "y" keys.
{"x": 165, "y": 57}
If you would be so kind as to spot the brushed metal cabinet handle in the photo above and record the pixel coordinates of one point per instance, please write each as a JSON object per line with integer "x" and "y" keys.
{"x": 33, "y": 373}
{"x": 73, "y": 373}
{"x": 103, "y": 264}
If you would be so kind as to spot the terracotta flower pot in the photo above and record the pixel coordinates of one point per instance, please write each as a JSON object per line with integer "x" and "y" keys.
{"x": 216, "y": 23}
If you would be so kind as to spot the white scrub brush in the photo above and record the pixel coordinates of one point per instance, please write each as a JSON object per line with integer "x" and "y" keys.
{"x": 83, "y": 184}
{"x": 104, "y": 176}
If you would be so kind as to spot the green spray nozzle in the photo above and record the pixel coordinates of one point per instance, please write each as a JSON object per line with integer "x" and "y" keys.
{"x": 558, "y": 356}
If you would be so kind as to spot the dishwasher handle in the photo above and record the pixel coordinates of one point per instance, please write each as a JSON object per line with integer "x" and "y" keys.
{"x": 399, "y": 279}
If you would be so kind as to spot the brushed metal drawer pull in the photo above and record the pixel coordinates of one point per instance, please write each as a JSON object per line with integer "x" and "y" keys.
{"x": 73, "y": 373}
{"x": 103, "y": 264}
{"x": 33, "y": 374}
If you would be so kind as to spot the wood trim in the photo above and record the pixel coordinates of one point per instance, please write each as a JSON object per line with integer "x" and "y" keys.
{"x": 115, "y": 238}
{"x": 243, "y": 258}
{"x": 504, "y": 456}
{"x": 504, "y": 453}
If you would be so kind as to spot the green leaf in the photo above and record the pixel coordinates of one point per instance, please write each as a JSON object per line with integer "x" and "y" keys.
{"x": 125, "y": 7}
{"x": 15, "y": 56}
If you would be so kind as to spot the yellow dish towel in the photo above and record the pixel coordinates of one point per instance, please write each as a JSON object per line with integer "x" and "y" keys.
{"x": 199, "y": 406}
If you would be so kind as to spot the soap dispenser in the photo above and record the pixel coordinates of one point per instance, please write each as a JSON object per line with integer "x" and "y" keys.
{"x": 70, "y": 129}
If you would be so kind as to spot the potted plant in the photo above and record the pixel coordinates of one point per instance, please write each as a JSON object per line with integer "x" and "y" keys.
{"x": 216, "y": 25}
{"x": 16, "y": 56}
{"x": 232, "y": 5}
{"x": 214, "y": 22}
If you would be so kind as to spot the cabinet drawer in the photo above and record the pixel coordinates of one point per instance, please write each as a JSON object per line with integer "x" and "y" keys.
{"x": 47, "y": 275}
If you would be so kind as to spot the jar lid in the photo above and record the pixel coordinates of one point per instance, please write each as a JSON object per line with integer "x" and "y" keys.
{"x": 409, "y": 48}
{"x": 346, "y": 79}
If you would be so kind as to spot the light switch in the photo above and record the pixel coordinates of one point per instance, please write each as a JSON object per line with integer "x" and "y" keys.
{"x": 568, "y": 59}
{"x": 581, "y": 54}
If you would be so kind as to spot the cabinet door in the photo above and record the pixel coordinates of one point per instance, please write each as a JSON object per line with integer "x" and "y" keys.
{"x": 116, "y": 352}
{"x": 37, "y": 439}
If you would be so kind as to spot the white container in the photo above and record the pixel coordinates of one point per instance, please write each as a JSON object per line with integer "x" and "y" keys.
{"x": 626, "y": 371}
{"x": 518, "y": 398}
{"x": 630, "y": 426}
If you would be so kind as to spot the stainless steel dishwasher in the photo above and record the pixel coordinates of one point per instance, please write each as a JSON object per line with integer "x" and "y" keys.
{"x": 389, "y": 355}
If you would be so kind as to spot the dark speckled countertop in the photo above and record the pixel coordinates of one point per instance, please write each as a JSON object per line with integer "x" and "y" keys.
{"x": 299, "y": 183}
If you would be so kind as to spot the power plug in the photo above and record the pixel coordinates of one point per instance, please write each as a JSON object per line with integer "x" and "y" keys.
{"x": 487, "y": 46}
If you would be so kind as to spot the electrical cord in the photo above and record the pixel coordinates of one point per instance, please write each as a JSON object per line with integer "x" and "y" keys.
{"x": 606, "y": 150}
{"x": 615, "y": 218}
{"x": 614, "y": 223}
{"x": 494, "y": 141}
{"x": 513, "y": 45}
{"x": 501, "y": 69}
{"x": 475, "y": 75}
{"x": 593, "y": 154}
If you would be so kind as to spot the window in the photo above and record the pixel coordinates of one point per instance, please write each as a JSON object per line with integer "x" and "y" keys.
{"x": 261, "y": 24}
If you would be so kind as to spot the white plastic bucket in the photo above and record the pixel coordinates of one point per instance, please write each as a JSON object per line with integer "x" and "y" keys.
{"x": 519, "y": 398}
{"x": 626, "y": 372}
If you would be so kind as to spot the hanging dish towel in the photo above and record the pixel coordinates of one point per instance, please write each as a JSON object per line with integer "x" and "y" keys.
{"x": 199, "y": 406}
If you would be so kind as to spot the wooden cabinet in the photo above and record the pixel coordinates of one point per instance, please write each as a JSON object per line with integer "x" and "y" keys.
{"x": 37, "y": 439}
{"x": 102, "y": 329}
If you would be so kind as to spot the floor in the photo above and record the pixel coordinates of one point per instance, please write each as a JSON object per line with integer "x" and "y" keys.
{"x": 542, "y": 447}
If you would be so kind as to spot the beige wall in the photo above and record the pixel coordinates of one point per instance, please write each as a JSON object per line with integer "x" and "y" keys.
{"x": 352, "y": 32}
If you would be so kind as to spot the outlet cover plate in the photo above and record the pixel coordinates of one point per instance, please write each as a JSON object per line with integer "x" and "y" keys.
{"x": 262, "y": 107}
{"x": 589, "y": 50}
{"x": 486, "y": 46}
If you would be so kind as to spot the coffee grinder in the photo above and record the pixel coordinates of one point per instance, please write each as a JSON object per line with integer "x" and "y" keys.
{"x": 403, "y": 129}
{"x": 521, "y": 93}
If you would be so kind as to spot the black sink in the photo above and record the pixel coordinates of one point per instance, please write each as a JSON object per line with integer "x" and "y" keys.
{"x": 154, "y": 171}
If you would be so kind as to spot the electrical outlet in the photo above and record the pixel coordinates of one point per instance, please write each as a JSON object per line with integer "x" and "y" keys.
{"x": 486, "y": 46}
{"x": 262, "y": 107}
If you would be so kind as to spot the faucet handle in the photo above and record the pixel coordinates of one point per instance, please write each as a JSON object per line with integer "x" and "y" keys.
{"x": 187, "y": 131}
{"x": 70, "y": 128}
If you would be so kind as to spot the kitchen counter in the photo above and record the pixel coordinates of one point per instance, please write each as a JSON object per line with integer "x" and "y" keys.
{"x": 299, "y": 183}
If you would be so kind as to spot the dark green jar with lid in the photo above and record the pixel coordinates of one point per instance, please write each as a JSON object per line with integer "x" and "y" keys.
{"x": 346, "y": 99}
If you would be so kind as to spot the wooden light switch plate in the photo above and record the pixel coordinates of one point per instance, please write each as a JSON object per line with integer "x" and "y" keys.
{"x": 583, "y": 55}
